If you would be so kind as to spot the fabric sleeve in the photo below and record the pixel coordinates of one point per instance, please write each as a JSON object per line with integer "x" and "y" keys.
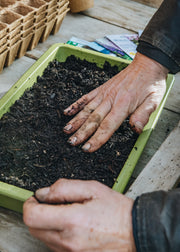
{"x": 156, "y": 221}
{"x": 160, "y": 39}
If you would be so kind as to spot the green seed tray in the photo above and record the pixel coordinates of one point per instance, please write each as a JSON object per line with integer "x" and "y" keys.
{"x": 13, "y": 197}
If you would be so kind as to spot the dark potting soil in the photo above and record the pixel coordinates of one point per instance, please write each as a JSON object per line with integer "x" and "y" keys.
{"x": 33, "y": 147}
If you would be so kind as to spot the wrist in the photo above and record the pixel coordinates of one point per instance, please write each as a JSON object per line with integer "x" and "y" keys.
{"x": 131, "y": 235}
{"x": 128, "y": 224}
{"x": 147, "y": 64}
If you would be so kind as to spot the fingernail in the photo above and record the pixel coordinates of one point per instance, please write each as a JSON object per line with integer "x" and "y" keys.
{"x": 72, "y": 140}
{"x": 68, "y": 127}
{"x": 86, "y": 147}
{"x": 42, "y": 193}
{"x": 67, "y": 110}
{"x": 139, "y": 125}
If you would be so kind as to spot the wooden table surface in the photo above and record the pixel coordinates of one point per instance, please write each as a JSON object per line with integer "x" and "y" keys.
{"x": 107, "y": 17}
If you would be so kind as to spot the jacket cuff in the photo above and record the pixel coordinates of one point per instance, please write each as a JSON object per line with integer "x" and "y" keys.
{"x": 147, "y": 229}
{"x": 156, "y": 221}
{"x": 134, "y": 219}
{"x": 159, "y": 56}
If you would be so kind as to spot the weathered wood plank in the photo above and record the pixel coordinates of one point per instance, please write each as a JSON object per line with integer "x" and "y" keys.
{"x": 14, "y": 235}
{"x": 163, "y": 170}
{"x": 123, "y": 13}
{"x": 166, "y": 123}
{"x": 152, "y": 3}
{"x": 173, "y": 101}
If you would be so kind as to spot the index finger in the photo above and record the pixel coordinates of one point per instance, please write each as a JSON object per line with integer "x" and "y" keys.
{"x": 44, "y": 216}
{"x": 80, "y": 104}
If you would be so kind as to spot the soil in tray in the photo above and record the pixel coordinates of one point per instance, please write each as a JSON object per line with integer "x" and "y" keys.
{"x": 33, "y": 147}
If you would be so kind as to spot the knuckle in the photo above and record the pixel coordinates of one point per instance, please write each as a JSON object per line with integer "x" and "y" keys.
{"x": 133, "y": 119}
{"x": 81, "y": 103}
{"x": 94, "y": 119}
{"x": 105, "y": 126}
{"x": 61, "y": 183}
{"x": 96, "y": 186}
{"x": 58, "y": 187}
{"x": 151, "y": 106}
{"x": 88, "y": 110}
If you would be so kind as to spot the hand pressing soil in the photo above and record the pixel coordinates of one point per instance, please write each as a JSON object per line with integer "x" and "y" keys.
{"x": 34, "y": 152}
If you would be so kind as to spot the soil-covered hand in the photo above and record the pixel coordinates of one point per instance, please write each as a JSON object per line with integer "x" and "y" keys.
{"x": 135, "y": 91}
{"x": 81, "y": 216}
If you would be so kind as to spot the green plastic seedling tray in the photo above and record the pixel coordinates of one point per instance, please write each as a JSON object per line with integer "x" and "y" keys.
{"x": 13, "y": 197}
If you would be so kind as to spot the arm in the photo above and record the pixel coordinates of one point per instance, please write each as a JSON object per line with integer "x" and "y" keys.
{"x": 137, "y": 90}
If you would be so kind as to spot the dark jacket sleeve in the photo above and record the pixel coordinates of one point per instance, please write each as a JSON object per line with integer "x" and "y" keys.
{"x": 156, "y": 222}
{"x": 161, "y": 38}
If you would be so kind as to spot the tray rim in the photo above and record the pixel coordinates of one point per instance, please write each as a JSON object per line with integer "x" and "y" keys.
{"x": 20, "y": 195}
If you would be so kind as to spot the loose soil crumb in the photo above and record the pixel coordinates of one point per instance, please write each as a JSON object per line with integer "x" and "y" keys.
{"x": 33, "y": 147}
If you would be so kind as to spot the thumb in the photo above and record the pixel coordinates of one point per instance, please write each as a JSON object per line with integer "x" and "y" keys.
{"x": 68, "y": 191}
{"x": 141, "y": 115}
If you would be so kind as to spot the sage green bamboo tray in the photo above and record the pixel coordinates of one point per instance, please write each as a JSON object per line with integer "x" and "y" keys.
{"x": 13, "y": 197}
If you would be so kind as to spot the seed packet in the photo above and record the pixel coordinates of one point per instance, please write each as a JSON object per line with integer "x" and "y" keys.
{"x": 113, "y": 48}
{"x": 86, "y": 44}
{"x": 124, "y": 44}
